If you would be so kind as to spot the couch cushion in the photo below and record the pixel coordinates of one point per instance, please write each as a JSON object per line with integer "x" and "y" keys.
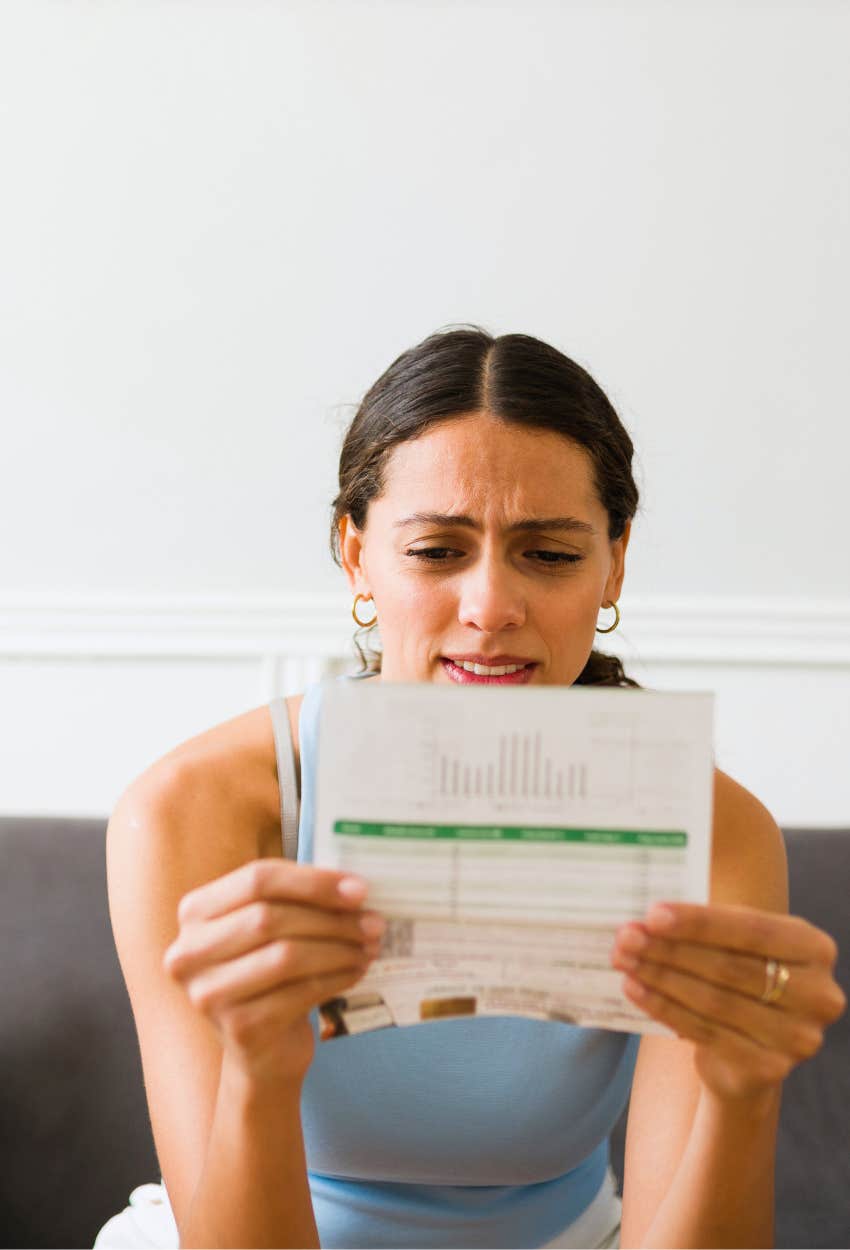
{"x": 74, "y": 1125}
{"x": 813, "y": 1158}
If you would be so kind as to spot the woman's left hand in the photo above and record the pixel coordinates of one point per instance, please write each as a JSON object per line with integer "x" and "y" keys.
{"x": 703, "y": 974}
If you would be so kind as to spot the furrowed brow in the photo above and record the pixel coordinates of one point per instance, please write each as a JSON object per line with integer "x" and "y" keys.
{"x": 533, "y": 524}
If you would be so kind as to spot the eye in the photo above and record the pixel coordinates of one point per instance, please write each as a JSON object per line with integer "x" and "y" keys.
{"x": 430, "y": 553}
{"x": 434, "y": 555}
{"x": 556, "y": 557}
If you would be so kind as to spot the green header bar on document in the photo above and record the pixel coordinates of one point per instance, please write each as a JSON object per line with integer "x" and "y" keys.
{"x": 515, "y": 833}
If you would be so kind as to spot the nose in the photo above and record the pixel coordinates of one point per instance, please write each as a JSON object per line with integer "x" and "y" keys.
{"x": 491, "y": 598}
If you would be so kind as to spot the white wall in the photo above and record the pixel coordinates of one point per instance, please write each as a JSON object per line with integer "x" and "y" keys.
{"x": 220, "y": 221}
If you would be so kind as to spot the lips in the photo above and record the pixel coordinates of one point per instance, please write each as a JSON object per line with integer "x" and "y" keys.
{"x": 462, "y": 677}
{"x": 492, "y": 661}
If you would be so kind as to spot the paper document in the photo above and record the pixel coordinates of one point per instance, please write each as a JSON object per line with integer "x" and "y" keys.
{"x": 505, "y": 834}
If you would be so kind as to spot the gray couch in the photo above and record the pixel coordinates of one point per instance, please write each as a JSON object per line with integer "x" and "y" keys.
{"x": 75, "y": 1137}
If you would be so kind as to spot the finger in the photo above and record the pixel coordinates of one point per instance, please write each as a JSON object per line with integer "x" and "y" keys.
{"x": 726, "y": 968}
{"x": 747, "y": 929}
{"x": 237, "y": 932}
{"x": 689, "y": 1025}
{"x": 269, "y": 879}
{"x": 811, "y": 990}
{"x": 794, "y": 1035}
{"x": 275, "y": 966}
{"x": 295, "y": 1000}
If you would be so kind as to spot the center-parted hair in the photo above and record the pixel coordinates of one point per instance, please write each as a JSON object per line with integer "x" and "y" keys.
{"x": 514, "y": 377}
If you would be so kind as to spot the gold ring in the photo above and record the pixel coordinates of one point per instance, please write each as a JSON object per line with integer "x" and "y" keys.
{"x": 776, "y": 977}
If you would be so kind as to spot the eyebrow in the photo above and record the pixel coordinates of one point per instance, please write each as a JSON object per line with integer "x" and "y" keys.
{"x": 447, "y": 520}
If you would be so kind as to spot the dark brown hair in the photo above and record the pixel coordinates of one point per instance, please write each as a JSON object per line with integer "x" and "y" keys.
{"x": 515, "y": 377}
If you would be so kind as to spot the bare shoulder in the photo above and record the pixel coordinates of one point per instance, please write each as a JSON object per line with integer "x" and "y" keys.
{"x": 231, "y": 768}
{"x": 748, "y": 862}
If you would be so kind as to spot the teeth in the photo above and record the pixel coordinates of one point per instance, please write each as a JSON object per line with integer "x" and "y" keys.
{"x": 482, "y": 670}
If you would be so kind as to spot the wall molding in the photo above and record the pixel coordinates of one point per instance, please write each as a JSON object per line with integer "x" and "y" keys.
{"x": 757, "y": 631}
{"x": 656, "y": 629}
{"x": 780, "y": 670}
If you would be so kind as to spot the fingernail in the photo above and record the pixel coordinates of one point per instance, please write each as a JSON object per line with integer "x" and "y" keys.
{"x": 635, "y": 988}
{"x": 661, "y": 917}
{"x": 627, "y": 962}
{"x": 373, "y": 926}
{"x": 632, "y": 939}
{"x": 352, "y": 887}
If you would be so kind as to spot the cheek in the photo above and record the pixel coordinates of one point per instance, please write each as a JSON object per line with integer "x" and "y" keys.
{"x": 411, "y": 602}
{"x": 578, "y": 602}
{"x": 416, "y": 606}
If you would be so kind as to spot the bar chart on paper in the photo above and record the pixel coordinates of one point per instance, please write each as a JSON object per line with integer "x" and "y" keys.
{"x": 517, "y": 768}
{"x": 595, "y": 767}
{"x": 524, "y": 770}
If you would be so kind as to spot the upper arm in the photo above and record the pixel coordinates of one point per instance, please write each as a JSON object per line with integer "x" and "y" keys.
{"x": 748, "y": 866}
{"x": 172, "y": 830}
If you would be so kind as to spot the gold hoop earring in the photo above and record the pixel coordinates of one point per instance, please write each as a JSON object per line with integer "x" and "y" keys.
{"x": 611, "y": 628}
{"x": 362, "y": 624}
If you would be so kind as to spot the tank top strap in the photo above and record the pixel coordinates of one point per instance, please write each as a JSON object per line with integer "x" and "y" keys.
{"x": 291, "y": 812}
{"x": 290, "y": 799}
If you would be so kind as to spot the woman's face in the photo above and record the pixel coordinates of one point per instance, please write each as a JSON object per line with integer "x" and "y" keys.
{"x": 471, "y": 553}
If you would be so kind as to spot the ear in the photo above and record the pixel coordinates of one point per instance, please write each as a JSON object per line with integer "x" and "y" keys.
{"x": 614, "y": 584}
{"x": 351, "y": 555}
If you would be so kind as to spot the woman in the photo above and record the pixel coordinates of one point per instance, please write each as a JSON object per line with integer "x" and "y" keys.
{"x": 484, "y": 510}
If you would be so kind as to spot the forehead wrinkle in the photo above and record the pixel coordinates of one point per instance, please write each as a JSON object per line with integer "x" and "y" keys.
{"x": 488, "y": 480}
{"x": 484, "y": 504}
{"x": 449, "y": 520}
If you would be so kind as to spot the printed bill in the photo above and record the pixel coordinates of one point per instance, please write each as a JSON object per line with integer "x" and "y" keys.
{"x": 505, "y": 834}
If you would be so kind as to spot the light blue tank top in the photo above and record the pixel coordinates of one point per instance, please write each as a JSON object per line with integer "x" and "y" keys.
{"x": 484, "y": 1131}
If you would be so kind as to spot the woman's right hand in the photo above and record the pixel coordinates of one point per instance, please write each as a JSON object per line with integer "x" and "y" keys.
{"x": 258, "y": 948}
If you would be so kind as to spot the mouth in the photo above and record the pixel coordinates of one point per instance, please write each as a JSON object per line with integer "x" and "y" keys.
{"x": 466, "y": 673}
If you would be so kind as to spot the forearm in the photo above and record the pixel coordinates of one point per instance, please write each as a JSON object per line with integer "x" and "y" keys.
{"x": 253, "y": 1189}
{"x": 722, "y": 1193}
